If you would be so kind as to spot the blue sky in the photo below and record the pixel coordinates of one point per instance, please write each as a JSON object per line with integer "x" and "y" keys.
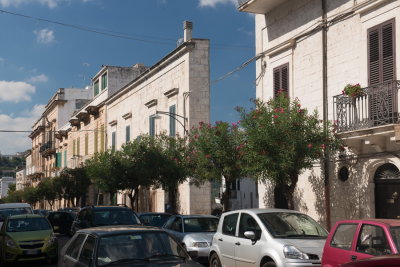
{"x": 37, "y": 57}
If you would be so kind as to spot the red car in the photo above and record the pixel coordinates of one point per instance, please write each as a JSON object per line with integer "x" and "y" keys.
{"x": 352, "y": 240}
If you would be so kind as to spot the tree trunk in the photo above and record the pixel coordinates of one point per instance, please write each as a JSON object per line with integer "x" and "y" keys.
{"x": 280, "y": 199}
{"x": 226, "y": 196}
{"x": 173, "y": 199}
{"x": 132, "y": 198}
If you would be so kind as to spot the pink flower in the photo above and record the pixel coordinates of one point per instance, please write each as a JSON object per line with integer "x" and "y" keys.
{"x": 208, "y": 156}
{"x": 310, "y": 145}
{"x": 276, "y": 116}
{"x": 323, "y": 146}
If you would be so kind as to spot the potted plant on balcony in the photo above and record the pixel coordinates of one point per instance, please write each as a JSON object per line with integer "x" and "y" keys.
{"x": 353, "y": 90}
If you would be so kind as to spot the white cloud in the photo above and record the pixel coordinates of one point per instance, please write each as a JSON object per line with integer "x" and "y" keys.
{"x": 38, "y": 79}
{"x": 16, "y": 3}
{"x": 213, "y": 3}
{"x": 15, "y": 91}
{"x": 44, "y": 36}
{"x": 18, "y": 142}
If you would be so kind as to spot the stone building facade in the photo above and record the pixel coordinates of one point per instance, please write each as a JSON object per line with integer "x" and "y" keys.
{"x": 312, "y": 49}
{"x": 178, "y": 85}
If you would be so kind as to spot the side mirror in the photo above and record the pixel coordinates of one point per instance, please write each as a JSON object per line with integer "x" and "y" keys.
{"x": 250, "y": 235}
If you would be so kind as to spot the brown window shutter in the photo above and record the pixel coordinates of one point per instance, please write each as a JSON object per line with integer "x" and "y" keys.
{"x": 388, "y": 73}
{"x": 373, "y": 57}
{"x": 281, "y": 79}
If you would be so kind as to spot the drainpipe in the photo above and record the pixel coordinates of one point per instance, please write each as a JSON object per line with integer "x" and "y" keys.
{"x": 325, "y": 112}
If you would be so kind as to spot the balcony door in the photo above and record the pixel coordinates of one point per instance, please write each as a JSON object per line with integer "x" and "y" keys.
{"x": 382, "y": 90}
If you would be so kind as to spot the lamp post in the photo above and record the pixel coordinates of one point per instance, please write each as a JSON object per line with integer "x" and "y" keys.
{"x": 174, "y": 115}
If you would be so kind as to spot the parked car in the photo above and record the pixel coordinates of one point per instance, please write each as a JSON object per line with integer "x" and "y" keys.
{"x": 26, "y": 238}
{"x": 74, "y": 210}
{"x": 93, "y": 216}
{"x": 380, "y": 261}
{"x": 124, "y": 246}
{"x": 351, "y": 240}
{"x": 194, "y": 232}
{"x": 61, "y": 221}
{"x": 9, "y": 209}
{"x": 157, "y": 219}
{"x": 267, "y": 238}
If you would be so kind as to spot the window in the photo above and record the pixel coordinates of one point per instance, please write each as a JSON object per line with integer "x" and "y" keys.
{"x": 65, "y": 158}
{"x": 152, "y": 125}
{"x": 96, "y": 139}
{"x": 73, "y": 148}
{"x": 229, "y": 224}
{"x": 87, "y": 250}
{"x": 86, "y": 144}
{"x": 74, "y": 247}
{"x": 78, "y": 146}
{"x": 381, "y": 51}
{"x": 176, "y": 225}
{"x": 104, "y": 81}
{"x": 96, "y": 88}
{"x": 372, "y": 240}
{"x": 101, "y": 138}
{"x": 343, "y": 236}
{"x": 113, "y": 140}
{"x": 127, "y": 133}
{"x": 281, "y": 79}
{"x": 172, "y": 120}
{"x": 248, "y": 223}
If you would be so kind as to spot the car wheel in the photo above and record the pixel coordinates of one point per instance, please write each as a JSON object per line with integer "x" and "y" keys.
{"x": 214, "y": 261}
{"x": 269, "y": 264}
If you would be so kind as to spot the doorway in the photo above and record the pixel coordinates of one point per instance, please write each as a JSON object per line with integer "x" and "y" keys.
{"x": 387, "y": 192}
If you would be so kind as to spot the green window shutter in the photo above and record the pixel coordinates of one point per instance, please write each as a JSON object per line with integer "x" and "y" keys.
{"x": 152, "y": 126}
{"x": 172, "y": 120}
{"x": 101, "y": 138}
{"x": 96, "y": 88}
{"x": 96, "y": 139}
{"x": 58, "y": 160}
{"x": 128, "y": 133}
{"x": 113, "y": 140}
{"x": 65, "y": 159}
{"x": 104, "y": 81}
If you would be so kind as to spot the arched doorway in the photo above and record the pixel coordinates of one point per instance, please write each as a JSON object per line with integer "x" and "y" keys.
{"x": 387, "y": 192}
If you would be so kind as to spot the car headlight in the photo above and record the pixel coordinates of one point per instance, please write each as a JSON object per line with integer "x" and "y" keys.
{"x": 52, "y": 239}
{"x": 10, "y": 243}
{"x": 200, "y": 244}
{"x": 291, "y": 252}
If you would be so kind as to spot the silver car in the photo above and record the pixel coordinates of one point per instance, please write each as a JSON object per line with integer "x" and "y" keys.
{"x": 267, "y": 238}
{"x": 194, "y": 232}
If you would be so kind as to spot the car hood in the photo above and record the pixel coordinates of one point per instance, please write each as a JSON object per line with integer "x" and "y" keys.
{"x": 200, "y": 237}
{"x": 29, "y": 235}
{"x": 309, "y": 246}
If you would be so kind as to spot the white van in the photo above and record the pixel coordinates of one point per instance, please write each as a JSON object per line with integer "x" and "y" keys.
{"x": 9, "y": 209}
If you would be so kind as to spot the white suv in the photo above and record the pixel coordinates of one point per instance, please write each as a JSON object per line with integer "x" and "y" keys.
{"x": 267, "y": 238}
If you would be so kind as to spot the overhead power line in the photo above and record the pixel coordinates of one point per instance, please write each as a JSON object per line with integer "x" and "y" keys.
{"x": 116, "y": 34}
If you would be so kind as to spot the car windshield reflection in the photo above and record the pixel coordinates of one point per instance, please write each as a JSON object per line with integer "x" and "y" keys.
{"x": 395, "y": 232}
{"x": 27, "y": 224}
{"x": 192, "y": 225}
{"x": 114, "y": 217}
{"x": 14, "y": 211}
{"x": 292, "y": 225}
{"x": 140, "y": 246}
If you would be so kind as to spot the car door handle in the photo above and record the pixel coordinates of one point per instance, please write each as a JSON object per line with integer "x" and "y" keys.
{"x": 237, "y": 243}
{"x": 353, "y": 258}
{"x": 220, "y": 239}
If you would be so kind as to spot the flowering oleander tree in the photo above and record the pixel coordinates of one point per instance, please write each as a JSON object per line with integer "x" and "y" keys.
{"x": 215, "y": 152}
{"x": 282, "y": 140}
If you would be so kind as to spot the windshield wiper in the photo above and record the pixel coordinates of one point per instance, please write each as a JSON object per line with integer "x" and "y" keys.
{"x": 126, "y": 260}
{"x": 155, "y": 256}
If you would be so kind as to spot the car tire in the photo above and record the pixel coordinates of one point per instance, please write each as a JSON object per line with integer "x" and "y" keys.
{"x": 214, "y": 261}
{"x": 269, "y": 264}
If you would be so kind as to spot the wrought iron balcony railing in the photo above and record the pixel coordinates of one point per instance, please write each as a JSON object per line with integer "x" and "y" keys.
{"x": 377, "y": 106}
{"x": 47, "y": 146}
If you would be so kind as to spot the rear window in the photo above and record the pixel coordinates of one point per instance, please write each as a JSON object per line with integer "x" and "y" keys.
{"x": 14, "y": 211}
{"x": 28, "y": 224}
{"x": 115, "y": 217}
{"x": 343, "y": 236}
{"x": 200, "y": 224}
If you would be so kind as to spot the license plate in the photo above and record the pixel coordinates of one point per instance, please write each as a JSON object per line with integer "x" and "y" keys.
{"x": 32, "y": 252}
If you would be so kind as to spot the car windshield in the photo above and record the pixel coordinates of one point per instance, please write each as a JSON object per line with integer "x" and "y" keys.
{"x": 27, "y": 224}
{"x": 115, "y": 217}
{"x": 13, "y": 211}
{"x": 138, "y": 246}
{"x": 200, "y": 224}
{"x": 292, "y": 225}
{"x": 157, "y": 220}
{"x": 395, "y": 231}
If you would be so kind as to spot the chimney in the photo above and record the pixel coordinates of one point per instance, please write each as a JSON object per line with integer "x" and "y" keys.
{"x": 187, "y": 30}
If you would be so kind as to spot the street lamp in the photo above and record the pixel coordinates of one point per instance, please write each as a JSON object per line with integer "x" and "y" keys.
{"x": 174, "y": 115}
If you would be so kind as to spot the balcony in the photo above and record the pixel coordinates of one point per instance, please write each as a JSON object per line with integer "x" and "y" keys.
{"x": 371, "y": 119}
{"x": 258, "y": 6}
{"x": 47, "y": 149}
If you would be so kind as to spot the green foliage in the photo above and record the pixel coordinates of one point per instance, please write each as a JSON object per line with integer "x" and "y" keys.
{"x": 12, "y": 188}
{"x": 217, "y": 151}
{"x": 45, "y": 190}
